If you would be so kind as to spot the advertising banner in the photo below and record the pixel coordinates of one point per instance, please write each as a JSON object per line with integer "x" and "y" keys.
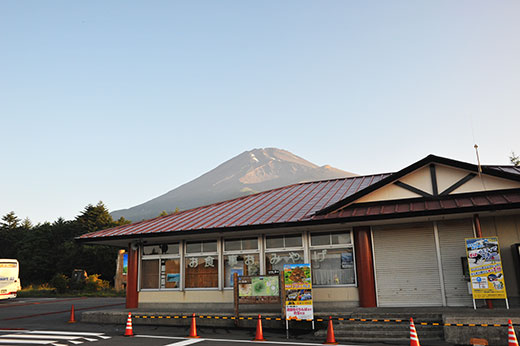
{"x": 298, "y": 291}
{"x": 485, "y": 268}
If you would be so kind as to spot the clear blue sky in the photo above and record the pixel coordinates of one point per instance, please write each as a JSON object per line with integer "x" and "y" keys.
{"x": 122, "y": 101}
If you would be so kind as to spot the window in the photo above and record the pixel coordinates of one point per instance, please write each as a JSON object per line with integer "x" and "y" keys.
{"x": 160, "y": 267}
{"x": 283, "y": 249}
{"x": 240, "y": 256}
{"x": 201, "y": 264}
{"x": 332, "y": 259}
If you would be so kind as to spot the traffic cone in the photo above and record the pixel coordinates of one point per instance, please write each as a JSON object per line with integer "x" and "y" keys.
{"x": 193, "y": 328}
{"x": 414, "y": 339}
{"x": 259, "y": 336}
{"x": 331, "y": 339}
{"x": 128, "y": 330}
{"x": 72, "y": 319}
{"x": 511, "y": 337}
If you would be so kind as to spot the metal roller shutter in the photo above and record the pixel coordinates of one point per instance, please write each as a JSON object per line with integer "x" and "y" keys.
{"x": 407, "y": 272}
{"x": 451, "y": 240}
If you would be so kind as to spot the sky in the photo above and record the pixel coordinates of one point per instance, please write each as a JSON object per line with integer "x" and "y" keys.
{"x": 122, "y": 101}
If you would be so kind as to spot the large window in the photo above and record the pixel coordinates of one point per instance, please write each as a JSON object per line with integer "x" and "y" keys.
{"x": 160, "y": 267}
{"x": 201, "y": 266}
{"x": 240, "y": 256}
{"x": 283, "y": 249}
{"x": 332, "y": 259}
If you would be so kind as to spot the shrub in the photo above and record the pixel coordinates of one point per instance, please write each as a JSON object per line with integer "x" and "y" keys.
{"x": 93, "y": 283}
{"x": 60, "y": 282}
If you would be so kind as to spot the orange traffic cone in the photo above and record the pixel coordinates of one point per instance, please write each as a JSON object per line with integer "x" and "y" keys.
{"x": 259, "y": 336}
{"x": 193, "y": 328}
{"x": 128, "y": 330}
{"x": 511, "y": 337}
{"x": 414, "y": 339}
{"x": 72, "y": 319}
{"x": 331, "y": 339}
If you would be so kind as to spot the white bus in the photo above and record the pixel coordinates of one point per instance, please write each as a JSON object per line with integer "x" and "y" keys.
{"x": 9, "y": 281}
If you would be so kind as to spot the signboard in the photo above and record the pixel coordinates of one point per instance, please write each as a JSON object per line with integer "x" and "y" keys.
{"x": 258, "y": 289}
{"x": 485, "y": 268}
{"x": 298, "y": 291}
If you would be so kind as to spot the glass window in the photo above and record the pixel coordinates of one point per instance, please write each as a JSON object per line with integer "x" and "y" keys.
{"x": 151, "y": 250}
{"x": 241, "y": 244}
{"x": 150, "y": 274}
{"x": 171, "y": 273}
{"x": 242, "y": 264}
{"x": 232, "y": 244}
{"x": 276, "y": 260}
{"x": 204, "y": 246}
{"x": 161, "y": 249}
{"x": 209, "y": 246}
{"x": 250, "y": 244}
{"x": 283, "y": 241}
{"x": 202, "y": 271}
{"x": 193, "y": 247}
{"x": 332, "y": 259}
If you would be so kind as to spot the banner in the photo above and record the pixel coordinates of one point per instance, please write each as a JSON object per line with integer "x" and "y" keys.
{"x": 298, "y": 291}
{"x": 485, "y": 268}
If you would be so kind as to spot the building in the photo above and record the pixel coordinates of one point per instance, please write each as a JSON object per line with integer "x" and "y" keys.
{"x": 394, "y": 239}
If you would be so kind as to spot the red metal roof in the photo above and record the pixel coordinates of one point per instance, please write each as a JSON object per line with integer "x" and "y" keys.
{"x": 287, "y": 204}
{"x": 400, "y": 208}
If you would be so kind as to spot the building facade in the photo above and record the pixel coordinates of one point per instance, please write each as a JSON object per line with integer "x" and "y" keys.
{"x": 393, "y": 239}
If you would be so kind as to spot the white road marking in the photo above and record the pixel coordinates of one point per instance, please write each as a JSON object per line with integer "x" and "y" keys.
{"x": 267, "y": 342}
{"x": 185, "y": 342}
{"x": 61, "y": 333}
{"x": 35, "y": 342}
{"x": 39, "y": 336}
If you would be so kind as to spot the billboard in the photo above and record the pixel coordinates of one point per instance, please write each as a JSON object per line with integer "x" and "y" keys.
{"x": 485, "y": 268}
{"x": 298, "y": 291}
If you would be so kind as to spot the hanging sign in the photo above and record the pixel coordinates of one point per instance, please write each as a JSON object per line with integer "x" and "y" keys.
{"x": 298, "y": 291}
{"x": 485, "y": 268}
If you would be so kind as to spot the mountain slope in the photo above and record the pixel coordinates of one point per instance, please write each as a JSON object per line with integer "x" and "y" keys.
{"x": 250, "y": 172}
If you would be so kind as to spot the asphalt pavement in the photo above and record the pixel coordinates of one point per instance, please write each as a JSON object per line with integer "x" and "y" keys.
{"x": 45, "y": 321}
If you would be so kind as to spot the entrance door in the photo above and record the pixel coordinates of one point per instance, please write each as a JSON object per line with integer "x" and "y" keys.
{"x": 407, "y": 271}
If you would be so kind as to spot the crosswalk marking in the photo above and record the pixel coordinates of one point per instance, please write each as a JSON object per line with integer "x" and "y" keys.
{"x": 185, "y": 342}
{"x": 54, "y": 338}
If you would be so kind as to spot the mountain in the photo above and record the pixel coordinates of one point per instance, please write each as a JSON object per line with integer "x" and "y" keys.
{"x": 250, "y": 172}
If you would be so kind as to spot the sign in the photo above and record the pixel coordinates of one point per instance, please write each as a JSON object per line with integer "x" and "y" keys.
{"x": 485, "y": 268}
{"x": 259, "y": 289}
{"x": 298, "y": 291}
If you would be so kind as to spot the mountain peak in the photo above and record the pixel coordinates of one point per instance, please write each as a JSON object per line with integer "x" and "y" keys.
{"x": 252, "y": 171}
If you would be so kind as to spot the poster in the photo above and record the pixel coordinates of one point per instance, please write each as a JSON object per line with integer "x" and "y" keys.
{"x": 258, "y": 286}
{"x": 298, "y": 291}
{"x": 485, "y": 268}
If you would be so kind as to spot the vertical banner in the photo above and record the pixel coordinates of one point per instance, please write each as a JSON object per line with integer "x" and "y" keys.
{"x": 485, "y": 268}
{"x": 298, "y": 291}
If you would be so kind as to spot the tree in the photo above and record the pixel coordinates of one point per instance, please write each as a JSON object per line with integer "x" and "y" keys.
{"x": 515, "y": 159}
{"x": 10, "y": 221}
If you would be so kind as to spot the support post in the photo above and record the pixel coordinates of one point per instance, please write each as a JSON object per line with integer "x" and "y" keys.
{"x": 132, "y": 297}
{"x": 365, "y": 267}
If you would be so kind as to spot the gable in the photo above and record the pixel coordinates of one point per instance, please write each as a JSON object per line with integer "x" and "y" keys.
{"x": 437, "y": 180}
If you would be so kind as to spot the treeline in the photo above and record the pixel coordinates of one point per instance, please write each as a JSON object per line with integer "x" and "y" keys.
{"x": 48, "y": 249}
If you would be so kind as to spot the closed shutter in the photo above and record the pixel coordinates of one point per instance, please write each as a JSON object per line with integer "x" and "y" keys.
{"x": 451, "y": 240}
{"x": 407, "y": 271}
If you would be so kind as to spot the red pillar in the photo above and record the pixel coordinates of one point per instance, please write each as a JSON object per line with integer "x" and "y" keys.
{"x": 365, "y": 267}
{"x": 132, "y": 298}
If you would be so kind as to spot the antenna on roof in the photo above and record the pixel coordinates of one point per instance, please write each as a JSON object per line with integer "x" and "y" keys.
{"x": 478, "y": 160}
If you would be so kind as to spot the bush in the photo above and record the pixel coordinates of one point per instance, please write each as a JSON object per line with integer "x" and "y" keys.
{"x": 93, "y": 284}
{"x": 60, "y": 282}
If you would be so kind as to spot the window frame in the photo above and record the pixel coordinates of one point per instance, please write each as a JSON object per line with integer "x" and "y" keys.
{"x": 334, "y": 247}
{"x": 225, "y": 253}
{"x": 216, "y": 254}
{"x": 160, "y": 257}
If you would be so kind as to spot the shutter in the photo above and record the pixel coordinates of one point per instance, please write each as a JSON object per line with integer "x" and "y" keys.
{"x": 407, "y": 271}
{"x": 451, "y": 239}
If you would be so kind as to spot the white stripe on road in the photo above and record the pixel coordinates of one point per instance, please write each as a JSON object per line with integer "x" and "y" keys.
{"x": 18, "y": 341}
{"x": 236, "y": 340}
{"x": 60, "y": 333}
{"x": 185, "y": 342}
{"x": 36, "y": 336}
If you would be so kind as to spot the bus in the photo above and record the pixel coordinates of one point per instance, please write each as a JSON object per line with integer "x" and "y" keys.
{"x": 9, "y": 281}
